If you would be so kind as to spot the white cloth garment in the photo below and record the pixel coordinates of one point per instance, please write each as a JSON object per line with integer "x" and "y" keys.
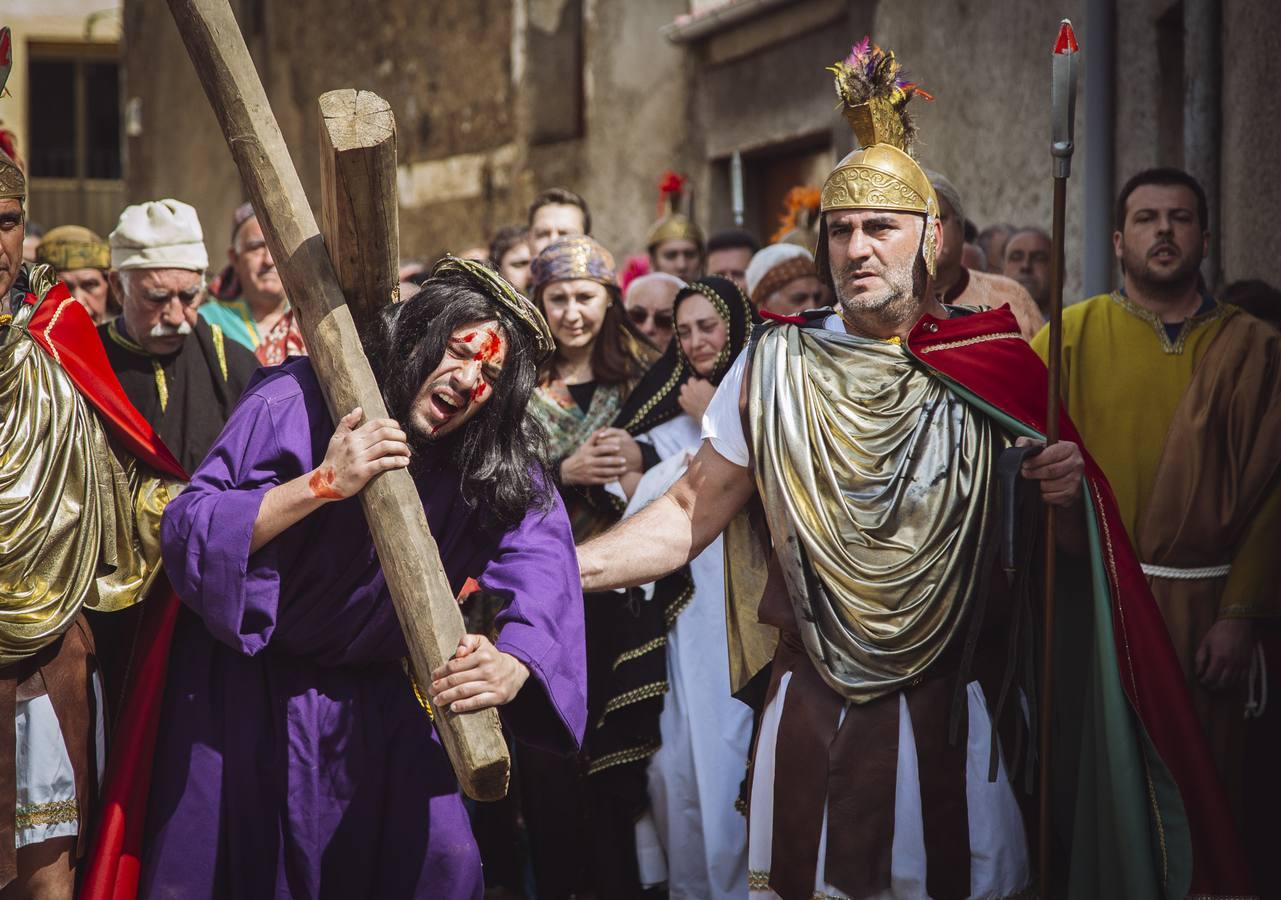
{"x": 722, "y": 423}
{"x": 46, "y": 786}
{"x": 999, "y": 865}
{"x": 693, "y": 830}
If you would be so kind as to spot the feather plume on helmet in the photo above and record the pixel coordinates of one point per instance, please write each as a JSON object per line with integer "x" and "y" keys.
{"x": 881, "y": 174}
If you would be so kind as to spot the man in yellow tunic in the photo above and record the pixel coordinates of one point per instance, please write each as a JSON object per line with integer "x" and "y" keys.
{"x": 1176, "y": 395}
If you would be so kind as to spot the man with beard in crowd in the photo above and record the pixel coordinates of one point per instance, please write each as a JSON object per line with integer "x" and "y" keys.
{"x": 294, "y": 759}
{"x": 1176, "y": 395}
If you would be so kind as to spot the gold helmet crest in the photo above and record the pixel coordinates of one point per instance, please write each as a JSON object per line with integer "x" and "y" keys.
{"x": 881, "y": 174}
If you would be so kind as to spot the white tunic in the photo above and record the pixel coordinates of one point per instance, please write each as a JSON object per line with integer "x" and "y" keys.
{"x": 693, "y": 838}
{"x": 47, "y": 806}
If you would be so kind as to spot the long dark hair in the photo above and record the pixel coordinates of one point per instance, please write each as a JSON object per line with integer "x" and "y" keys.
{"x": 501, "y": 454}
{"x": 620, "y": 354}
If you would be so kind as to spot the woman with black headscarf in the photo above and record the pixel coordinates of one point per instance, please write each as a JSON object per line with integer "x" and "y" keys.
{"x": 694, "y": 737}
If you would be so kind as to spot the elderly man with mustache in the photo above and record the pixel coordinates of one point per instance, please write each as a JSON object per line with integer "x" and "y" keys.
{"x": 183, "y": 374}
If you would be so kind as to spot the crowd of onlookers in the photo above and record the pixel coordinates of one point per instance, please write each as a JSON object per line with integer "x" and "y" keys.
{"x": 640, "y": 345}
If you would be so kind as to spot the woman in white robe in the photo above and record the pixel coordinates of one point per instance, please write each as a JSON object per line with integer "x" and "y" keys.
{"x": 693, "y": 837}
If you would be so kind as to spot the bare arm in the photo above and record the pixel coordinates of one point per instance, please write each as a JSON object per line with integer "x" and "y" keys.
{"x": 672, "y": 530}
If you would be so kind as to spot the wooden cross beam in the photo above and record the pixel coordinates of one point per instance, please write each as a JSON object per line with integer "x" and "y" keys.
{"x": 410, "y": 558}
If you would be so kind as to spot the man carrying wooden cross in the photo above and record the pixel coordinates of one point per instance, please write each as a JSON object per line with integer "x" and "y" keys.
{"x": 295, "y": 759}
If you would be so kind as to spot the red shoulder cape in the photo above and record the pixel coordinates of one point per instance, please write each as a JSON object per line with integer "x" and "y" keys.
{"x": 985, "y": 354}
{"x": 62, "y": 328}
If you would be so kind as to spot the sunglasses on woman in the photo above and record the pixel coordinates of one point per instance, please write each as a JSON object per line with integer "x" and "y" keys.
{"x": 640, "y": 315}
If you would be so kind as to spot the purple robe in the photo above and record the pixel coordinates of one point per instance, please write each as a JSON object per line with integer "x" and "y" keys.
{"x": 293, "y": 758}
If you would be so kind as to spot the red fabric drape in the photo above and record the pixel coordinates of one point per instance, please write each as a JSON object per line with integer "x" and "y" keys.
{"x": 63, "y": 329}
{"x": 985, "y": 355}
{"x": 115, "y": 862}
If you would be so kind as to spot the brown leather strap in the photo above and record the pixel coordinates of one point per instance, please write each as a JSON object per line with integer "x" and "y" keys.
{"x": 862, "y": 786}
{"x": 811, "y": 712}
{"x": 941, "y": 766}
{"x": 9, "y": 677}
{"x": 68, "y": 678}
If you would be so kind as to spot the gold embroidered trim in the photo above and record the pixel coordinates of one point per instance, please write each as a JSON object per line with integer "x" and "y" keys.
{"x": 57, "y": 313}
{"x": 162, "y": 386}
{"x": 678, "y": 606}
{"x": 1189, "y": 325}
{"x": 5, "y": 319}
{"x": 635, "y": 695}
{"x": 758, "y": 880}
{"x": 653, "y": 401}
{"x": 418, "y": 692}
{"x": 113, "y": 332}
{"x": 640, "y": 651}
{"x": 623, "y": 757}
{"x": 220, "y": 348}
{"x": 966, "y": 342}
{"x": 57, "y": 813}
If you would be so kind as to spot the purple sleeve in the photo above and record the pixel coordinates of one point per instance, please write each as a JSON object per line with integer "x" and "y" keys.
{"x": 536, "y": 569}
{"x": 206, "y": 530}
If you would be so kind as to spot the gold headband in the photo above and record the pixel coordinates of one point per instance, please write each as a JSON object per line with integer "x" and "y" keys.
{"x": 13, "y": 184}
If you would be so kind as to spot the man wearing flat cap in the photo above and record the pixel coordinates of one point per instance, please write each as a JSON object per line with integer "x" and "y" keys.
{"x": 81, "y": 260}
{"x": 183, "y": 374}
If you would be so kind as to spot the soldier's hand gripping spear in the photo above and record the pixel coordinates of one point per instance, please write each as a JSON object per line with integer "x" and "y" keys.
{"x": 1062, "y": 114}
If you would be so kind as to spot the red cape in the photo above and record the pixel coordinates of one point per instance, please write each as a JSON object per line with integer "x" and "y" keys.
{"x": 62, "y": 328}
{"x": 985, "y": 354}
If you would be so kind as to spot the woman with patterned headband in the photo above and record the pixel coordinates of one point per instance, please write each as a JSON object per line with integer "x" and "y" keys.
{"x": 695, "y": 739}
{"x": 599, "y": 358}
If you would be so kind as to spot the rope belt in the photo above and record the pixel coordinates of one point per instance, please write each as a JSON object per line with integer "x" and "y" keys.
{"x": 1178, "y": 574}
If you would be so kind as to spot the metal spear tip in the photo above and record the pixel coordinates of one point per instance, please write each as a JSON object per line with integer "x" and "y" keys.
{"x": 1066, "y": 42}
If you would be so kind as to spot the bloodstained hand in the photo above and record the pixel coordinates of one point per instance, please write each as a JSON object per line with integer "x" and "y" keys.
{"x": 322, "y": 484}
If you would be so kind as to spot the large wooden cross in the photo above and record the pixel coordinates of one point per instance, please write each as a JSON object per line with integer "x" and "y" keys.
{"x": 358, "y": 164}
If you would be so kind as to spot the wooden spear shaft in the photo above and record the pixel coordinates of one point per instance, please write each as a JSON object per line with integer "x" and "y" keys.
{"x": 410, "y": 558}
{"x": 1062, "y": 114}
{"x": 1053, "y": 403}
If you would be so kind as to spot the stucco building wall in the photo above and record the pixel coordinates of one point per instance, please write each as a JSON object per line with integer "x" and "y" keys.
{"x": 497, "y": 99}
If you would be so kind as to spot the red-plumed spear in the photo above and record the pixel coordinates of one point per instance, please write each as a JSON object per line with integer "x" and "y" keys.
{"x": 1062, "y": 113}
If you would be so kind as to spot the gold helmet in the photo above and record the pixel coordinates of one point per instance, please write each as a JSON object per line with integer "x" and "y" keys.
{"x": 13, "y": 184}
{"x": 674, "y": 225}
{"x": 881, "y": 174}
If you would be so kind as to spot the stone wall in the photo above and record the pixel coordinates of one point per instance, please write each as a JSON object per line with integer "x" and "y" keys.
{"x": 497, "y": 99}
